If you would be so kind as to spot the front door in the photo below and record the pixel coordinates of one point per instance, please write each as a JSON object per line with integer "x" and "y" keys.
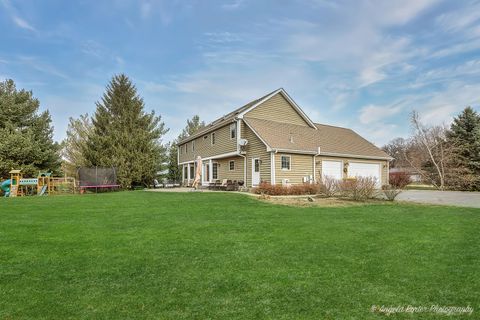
{"x": 205, "y": 173}
{"x": 255, "y": 171}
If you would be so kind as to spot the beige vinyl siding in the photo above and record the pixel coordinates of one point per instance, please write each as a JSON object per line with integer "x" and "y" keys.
{"x": 225, "y": 173}
{"x": 204, "y": 148}
{"x": 256, "y": 149}
{"x": 277, "y": 109}
{"x": 383, "y": 166}
{"x": 301, "y": 165}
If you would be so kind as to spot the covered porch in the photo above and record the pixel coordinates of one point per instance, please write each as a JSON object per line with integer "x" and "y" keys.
{"x": 215, "y": 169}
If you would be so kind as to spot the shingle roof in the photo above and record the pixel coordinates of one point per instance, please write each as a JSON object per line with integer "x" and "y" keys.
{"x": 220, "y": 122}
{"x": 331, "y": 140}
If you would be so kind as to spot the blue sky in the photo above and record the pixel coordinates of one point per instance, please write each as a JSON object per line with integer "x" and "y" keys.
{"x": 361, "y": 64}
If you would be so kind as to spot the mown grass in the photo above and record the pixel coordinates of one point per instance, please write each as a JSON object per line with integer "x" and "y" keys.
{"x": 141, "y": 255}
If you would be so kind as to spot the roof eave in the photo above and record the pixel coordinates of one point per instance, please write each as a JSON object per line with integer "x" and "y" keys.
{"x": 213, "y": 128}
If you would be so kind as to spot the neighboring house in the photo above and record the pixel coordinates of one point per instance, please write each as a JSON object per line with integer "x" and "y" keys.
{"x": 272, "y": 140}
{"x": 414, "y": 175}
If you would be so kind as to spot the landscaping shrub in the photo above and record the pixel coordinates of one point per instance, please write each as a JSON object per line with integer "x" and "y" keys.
{"x": 391, "y": 192}
{"x": 266, "y": 188}
{"x": 399, "y": 180}
{"x": 360, "y": 188}
{"x": 328, "y": 186}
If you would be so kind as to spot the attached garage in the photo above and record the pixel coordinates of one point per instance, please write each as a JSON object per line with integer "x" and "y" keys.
{"x": 365, "y": 169}
{"x": 332, "y": 169}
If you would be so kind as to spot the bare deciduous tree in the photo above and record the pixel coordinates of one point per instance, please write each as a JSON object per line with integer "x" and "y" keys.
{"x": 428, "y": 152}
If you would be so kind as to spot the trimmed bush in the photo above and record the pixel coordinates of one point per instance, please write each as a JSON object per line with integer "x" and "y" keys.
{"x": 266, "y": 188}
{"x": 328, "y": 186}
{"x": 391, "y": 192}
{"x": 360, "y": 188}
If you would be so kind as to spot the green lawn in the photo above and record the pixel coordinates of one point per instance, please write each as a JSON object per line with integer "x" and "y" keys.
{"x": 228, "y": 256}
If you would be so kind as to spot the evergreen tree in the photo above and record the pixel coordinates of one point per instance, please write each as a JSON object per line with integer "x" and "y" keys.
{"x": 193, "y": 125}
{"x": 126, "y": 137}
{"x": 464, "y": 134}
{"x": 26, "y": 135}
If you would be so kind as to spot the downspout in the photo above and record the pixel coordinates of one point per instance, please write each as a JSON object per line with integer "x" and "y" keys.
{"x": 273, "y": 178}
{"x": 239, "y": 131}
{"x": 315, "y": 165}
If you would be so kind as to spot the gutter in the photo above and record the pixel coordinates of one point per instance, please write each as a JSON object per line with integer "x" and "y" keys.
{"x": 315, "y": 165}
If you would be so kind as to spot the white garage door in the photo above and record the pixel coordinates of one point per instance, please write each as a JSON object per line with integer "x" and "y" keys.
{"x": 332, "y": 169}
{"x": 363, "y": 169}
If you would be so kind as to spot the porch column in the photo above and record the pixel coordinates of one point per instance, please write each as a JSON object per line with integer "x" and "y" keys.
{"x": 188, "y": 172}
{"x": 183, "y": 173}
{"x": 210, "y": 170}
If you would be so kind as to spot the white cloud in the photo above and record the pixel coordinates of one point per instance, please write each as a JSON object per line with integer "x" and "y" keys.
{"x": 461, "y": 19}
{"x": 372, "y": 113}
{"x": 22, "y": 23}
{"x": 41, "y": 66}
{"x": 444, "y": 74}
{"x": 233, "y": 5}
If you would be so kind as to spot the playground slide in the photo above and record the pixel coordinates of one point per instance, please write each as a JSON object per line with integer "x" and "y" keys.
{"x": 42, "y": 192}
{"x": 5, "y": 186}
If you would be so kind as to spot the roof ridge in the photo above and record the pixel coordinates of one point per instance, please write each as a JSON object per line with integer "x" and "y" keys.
{"x": 293, "y": 124}
{"x": 226, "y": 116}
{"x": 330, "y": 125}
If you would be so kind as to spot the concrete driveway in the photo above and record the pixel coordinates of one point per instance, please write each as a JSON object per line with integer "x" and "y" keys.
{"x": 450, "y": 198}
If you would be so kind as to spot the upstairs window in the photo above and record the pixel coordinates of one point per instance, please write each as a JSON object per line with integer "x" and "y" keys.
{"x": 213, "y": 138}
{"x": 233, "y": 130}
{"x": 285, "y": 162}
{"x": 186, "y": 148}
{"x": 193, "y": 145}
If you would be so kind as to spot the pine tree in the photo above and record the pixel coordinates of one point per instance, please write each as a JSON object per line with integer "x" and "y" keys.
{"x": 126, "y": 137}
{"x": 464, "y": 134}
{"x": 193, "y": 125}
{"x": 26, "y": 134}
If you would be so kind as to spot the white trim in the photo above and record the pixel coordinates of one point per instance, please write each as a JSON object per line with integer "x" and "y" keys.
{"x": 178, "y": 155}
{"x": 331, "y": 154}
{"x": 188, "y": 172}
{"x": 387, "y": 178}
{"x": 289, "y": 162}
{"x": 183, "y": 173}
{"x": 352, "y": 156}
{"x": 289, "y": 99}
{"x": 210, "y": 170}
{"x": 238, "y": 122}
{"x": 294, "y": 151}
{"x": 244, "y": 169}
{"x": 272, "y": 168}
{"x": 218, "y": 156}
{"x": 259, "y": 171}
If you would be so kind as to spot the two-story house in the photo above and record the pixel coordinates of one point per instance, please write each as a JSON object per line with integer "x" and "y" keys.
{"x": 271, "y": 139}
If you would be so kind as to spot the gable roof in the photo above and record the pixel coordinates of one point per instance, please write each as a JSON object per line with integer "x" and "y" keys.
{"x": 240, "y": 112}
{"x": 334, "y": 141}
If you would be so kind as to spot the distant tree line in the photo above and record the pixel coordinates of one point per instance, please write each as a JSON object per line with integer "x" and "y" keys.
{"x": 122, "y": 134}
{"x": 446, "y": 157}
